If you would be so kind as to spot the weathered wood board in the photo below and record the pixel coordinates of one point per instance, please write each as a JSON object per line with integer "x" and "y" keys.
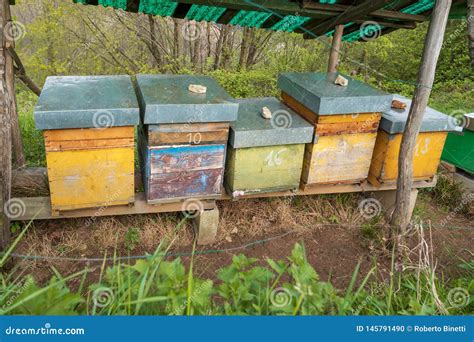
{"x": 384, "y": 165}
{"x": 338, "y": 158}
{"x": 186, "y": 158}
{"x": 175, "y": 172}
{"x": 186, "y": 184}
{"x": 192, "y": 134}
{"x": 264, "y": 169}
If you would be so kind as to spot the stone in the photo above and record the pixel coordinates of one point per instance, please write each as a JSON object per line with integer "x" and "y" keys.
{"x": 342, "y": 81}
{"x": 398, "y": 104}
{"x": 197, "y": 88}
{"x": 266, "y": 113}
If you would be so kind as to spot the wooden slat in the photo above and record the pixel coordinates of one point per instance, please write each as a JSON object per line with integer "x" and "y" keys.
{"x": 185, "y": 184}
{"x": 193, "y": 134}
{"x": 347, "y": 128}
{"x": 39, "y": 208}
{"x": 186, "y": 158}
{"x": 381, "y": 13}
{"x": 351, "y": 14}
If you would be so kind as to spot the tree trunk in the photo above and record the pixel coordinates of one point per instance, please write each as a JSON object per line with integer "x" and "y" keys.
{"x": 426, "y": 74}
{"x": 177, "y": 39}
{"x": 470, "y": 29}
{"x": 335, "y": 48}
{"x": 243, "y": 48}
{"x": 152, "y": 46}
{"x": 6, "y": 102}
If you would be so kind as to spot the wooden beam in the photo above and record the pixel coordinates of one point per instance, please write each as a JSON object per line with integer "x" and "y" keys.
{"x": 426, "y": 74}
{"x": 335, "y": 48}
{"x": 381, "y": 13}
{"x": 5, "y": 130}
{"x": 351, "y": 14}
{"x": 470, "y": 29}
{"x": 39, "y": 208}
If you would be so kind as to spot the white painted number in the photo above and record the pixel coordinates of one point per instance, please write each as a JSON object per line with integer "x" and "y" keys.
{"x": 194, "y": 138}
{"x": 274, "y": 159}
{"x": 424, "y": 149}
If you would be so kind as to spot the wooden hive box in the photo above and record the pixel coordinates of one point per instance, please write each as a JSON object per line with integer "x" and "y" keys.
{"x": 265, "y": 155}
{"x": 183, "y": 136}
{"x": 88, "y": 124}
{"x": 430, "y": 143}
{"x": 345, "y": 119}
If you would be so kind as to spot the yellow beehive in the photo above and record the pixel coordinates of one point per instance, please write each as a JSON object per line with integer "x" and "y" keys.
{"x": 345, "y": 119}
{"x": 90, "y": 167}
{"x": 428, "y": 150}
{"x": 88, "y": 127}
{"x": 342, "y": 148}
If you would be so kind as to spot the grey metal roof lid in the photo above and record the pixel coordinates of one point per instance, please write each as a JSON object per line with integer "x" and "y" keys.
{"x": 166, "y": 99}
{"x": 86, "y": 102}
{"x": 317, "y": 92}
{"x": 394, "y": 120}
{"x": 284, "y": 128}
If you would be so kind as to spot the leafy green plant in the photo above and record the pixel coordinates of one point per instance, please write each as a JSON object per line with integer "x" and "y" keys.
{"x": 132, "y": 238}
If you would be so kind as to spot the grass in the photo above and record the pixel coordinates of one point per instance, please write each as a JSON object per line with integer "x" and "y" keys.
{"x": 161, "y": 286}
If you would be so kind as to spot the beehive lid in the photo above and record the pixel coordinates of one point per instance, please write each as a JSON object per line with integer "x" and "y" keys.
{"x": 394, "y": 120}
{"x": 284, "y": 128}
{"x": 166, "y": 99}
{"x": 317, "y": 92}
{"x": 468, "y": 121}
{"x": 86, "y": 102}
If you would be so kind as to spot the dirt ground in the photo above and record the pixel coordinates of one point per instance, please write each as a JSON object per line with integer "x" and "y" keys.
{"x": 332, "y": 228}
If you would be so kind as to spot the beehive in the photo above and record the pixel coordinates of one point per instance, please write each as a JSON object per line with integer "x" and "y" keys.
{"x": 265, "y": 155}
{"x": 183, "y": 136}
{"x": 88, "y": 124}
{"x": 431, "y": 139}
{"x": 459, "y": 149}
{"x": 345, "y": 119}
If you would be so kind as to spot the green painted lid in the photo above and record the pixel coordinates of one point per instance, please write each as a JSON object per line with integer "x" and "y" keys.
{"x": 318, "y": 92}
{"x": 284, "y": 128}
{"x": 166, "y": 99}
{"x": 394, "y": 120}
{"x": 86, "y": 102}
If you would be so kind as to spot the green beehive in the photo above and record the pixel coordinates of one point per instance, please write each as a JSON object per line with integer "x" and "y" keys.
{"x": 265, "y": 155}
{"x": 459, "y": 148}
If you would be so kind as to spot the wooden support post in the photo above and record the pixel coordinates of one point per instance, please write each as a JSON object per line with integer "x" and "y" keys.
{"x": 433, "y": 43}
{"x": 335, "y": 48}
{"x": 205, "y": 226}
{"x": 470, "y": 28}
{"x": 5, "y": 131}
{"x": 10, "y": 84}
{"x": 388, "y": 198}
